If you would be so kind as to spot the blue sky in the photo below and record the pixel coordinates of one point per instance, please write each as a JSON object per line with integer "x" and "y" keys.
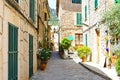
{"x": 52, "y": 3}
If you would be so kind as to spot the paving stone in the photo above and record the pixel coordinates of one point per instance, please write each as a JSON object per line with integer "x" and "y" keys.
{"x": 60, "y": 69}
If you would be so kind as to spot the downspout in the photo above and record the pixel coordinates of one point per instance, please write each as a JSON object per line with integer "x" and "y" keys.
{"x": 89, "y": 26}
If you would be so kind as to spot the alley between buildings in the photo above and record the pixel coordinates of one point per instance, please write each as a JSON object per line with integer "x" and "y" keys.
{"x": 60, "y": 69}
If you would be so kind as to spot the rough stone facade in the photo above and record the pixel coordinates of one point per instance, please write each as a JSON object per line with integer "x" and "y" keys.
{"x": 43, "y": 24}
{"x": 67, "y": 16}
{"x": 92, "y": 27}
{"x": 20, "y": 18}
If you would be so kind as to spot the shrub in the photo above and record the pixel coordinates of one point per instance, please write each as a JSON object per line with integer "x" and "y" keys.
{"x": 43, "y": 54}
{"x": 83, "y": 51}
{"x": 65, "y": 43}
{"x": 118, "y": 66}
{"x": 116, "y": 49}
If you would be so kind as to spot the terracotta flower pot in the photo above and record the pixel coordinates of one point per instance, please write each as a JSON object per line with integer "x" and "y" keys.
{"x": 84, "y": 59}
{"x": 43, "y": 65}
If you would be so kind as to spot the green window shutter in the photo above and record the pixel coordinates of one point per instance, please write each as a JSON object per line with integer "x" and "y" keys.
{"x": 116, "y": 1}
{"x": 12, "y": 53}
{"x": 86, "y": 39}
{"x": 85, "y": 12}
{"x": 30, "y": 55}
{"x": 79, "y": 19}
{"x": 96, "y": 4}
{"x": 77, "y": 1}
{"x": 17, "y": 1}
{"x": 32, "y": 9}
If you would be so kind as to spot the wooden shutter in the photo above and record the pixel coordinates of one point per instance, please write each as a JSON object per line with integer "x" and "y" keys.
{"x": 85, "y": 12}
{"x": 30, "y": 55}
{"x": 32, "y": 9}
{"x": 96, "y": 4}
{"x": 13, "y": 53}
{"x": 77, "y": 1}
{"x": 17, "y": 1}
{"x": 79, "y": 19}
{"x": 86, "y": 39}
{"x": 116, "y": 1}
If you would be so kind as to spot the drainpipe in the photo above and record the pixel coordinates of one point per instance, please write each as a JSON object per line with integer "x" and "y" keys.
{"x": 89, "y": 25}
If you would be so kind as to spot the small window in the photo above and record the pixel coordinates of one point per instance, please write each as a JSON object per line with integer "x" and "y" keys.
{"x": 17, "y": 1}
{"x": 45, "y": 16}
{"x": 78, "y": 39}
{"x": 77, "y": 1}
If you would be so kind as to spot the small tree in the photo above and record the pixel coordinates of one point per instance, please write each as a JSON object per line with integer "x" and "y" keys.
{"x": 112, "y": 19}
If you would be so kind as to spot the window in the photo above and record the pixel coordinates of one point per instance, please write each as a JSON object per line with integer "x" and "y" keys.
{"x": 77, "y": 1}
{"x": 78, "y": 39}
{"x": 45, "y": 16}
{"x": 17, "y": 1}
{"x": 96, "y": 4}
{"x": 78, "y": 19}
{"x": 116, "y": 1}
{"x": 86, "y": 12}
{"x": 32, "y": 9}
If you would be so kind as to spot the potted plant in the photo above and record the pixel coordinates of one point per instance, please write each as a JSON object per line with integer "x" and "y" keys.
{"x": 65, "y": 44}
{"x": 43, "y": 55}
{"x": 83, "y": 52}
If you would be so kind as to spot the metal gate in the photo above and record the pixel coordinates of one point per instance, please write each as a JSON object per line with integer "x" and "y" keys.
{"x": 30, "y": 55}
{"x": 12, "y": 53}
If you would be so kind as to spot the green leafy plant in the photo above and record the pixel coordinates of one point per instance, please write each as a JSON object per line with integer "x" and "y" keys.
{"x": 65, "y": 43}
{"x": 43, "y": 54}
{"x": 116, "y": 49}
{"x": 112, "y": 19}
{"x": 83, "y": 51}
{"x": 117, "y": 67}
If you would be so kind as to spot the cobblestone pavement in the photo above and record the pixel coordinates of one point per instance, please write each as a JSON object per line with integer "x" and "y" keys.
{"x": 59, "y": 69}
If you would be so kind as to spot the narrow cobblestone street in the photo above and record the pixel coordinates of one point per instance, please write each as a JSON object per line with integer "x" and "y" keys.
{"x": 59, "y": 69}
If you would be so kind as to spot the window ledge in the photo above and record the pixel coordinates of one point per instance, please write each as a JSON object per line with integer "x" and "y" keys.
{"x": 79, "y": 25}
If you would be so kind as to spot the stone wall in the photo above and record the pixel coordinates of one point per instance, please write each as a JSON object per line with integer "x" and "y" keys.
{"x": 1, "y": 32}
{"x": 10, "y": 15}
{"x": 68, "y": 25}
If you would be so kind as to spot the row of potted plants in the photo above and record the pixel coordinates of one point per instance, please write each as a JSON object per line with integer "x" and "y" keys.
{"x": 83, "y": 51}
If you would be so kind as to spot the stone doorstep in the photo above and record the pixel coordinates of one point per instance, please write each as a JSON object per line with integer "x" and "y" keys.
{"x": 95, "y": 71}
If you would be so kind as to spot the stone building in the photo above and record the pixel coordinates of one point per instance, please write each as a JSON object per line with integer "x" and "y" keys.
{"x": 43, "y": 27}
{"x": 93, "y": 32}
{"x": 18, "y": 37}
{"x": 70, "y": 16}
